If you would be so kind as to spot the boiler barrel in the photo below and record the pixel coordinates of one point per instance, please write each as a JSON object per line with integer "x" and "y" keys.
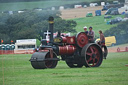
{"x": 66, "y": 50}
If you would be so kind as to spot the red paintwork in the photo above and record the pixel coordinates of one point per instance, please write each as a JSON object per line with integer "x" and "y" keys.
{"x": 67, "y": 50}
{"x": 2, "y": 52}
{"x": 6, "y": 52}
{"x": 64, "y": 40}
{"x": 90, "y": 60}
{"x": 82, "y": 39}
{"x": 71, "y": 40}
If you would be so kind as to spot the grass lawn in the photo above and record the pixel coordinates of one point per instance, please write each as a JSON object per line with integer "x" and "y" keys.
{"x": 97, "y": 22}
{"x": 14, "y": 6}
{"x": 122, "y": 45}
{"x": 18, "y": 71}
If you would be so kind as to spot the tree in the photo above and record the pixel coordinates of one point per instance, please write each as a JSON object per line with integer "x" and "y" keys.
{"x": 120, "y": 31}
{"x": 64, "y": 25}
{"x": 31, "y": 24}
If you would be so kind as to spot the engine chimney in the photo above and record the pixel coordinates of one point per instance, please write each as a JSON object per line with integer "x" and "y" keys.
{"x": 51, "y": 22}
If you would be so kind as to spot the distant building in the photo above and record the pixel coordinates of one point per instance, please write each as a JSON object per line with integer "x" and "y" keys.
{"x": 25, "y": 45}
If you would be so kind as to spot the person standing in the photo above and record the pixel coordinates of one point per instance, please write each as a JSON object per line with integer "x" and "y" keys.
{"x": 85, "y": 29}
{"x": 91, "y": 35}
{"x": 102, "y": 38}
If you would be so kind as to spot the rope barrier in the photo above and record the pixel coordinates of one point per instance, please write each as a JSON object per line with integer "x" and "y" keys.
{"x": 125, "y": 50}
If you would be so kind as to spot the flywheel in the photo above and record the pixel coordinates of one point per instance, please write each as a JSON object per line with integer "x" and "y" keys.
{"x": 81, "y": 39}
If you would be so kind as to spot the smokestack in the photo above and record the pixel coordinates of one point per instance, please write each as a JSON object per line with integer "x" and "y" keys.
{"x": 51, "y": 22}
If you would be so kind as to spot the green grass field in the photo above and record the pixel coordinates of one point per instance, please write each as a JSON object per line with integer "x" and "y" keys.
{"x": 18, "y": 71}
{"x": 97, "y": 22}
{"x": 122, "y": 45}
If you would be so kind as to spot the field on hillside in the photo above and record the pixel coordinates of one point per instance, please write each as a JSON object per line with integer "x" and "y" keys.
{"x": 80, "y": 12}
{"x": 16, "y": 70}
{"x": 97, "y": 22}
{"x": 14, "y": 6}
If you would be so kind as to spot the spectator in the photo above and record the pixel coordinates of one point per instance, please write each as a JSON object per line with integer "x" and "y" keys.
{"x": 91, "y": 35}
{"x": 85, "y": 29}
{"x": 102, "y": 38}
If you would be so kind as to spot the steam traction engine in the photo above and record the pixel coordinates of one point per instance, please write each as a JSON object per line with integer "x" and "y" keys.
{"x": 76, "y": 51}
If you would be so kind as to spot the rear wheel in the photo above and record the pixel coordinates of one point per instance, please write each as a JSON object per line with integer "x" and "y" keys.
{"x": 92, "y": 54}
{"x": 71, "y": 64}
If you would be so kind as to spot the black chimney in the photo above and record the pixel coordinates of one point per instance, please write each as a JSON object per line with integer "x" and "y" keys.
{"x": 51, "y": 22}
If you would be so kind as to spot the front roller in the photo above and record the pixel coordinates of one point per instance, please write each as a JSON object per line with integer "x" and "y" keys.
{"x": 42, "y": 60}
{"x": 92, "y": 54}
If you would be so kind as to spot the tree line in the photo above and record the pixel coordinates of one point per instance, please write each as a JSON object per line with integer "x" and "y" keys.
{"x": 120, "y": 32}
{"x": 31, "y": 25}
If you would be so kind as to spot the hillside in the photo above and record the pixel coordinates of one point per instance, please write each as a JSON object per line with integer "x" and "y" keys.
{"x": 15, "y": 5}
{"x": 77, "y": 15}
{"x": 79, "y": 12}
{"x": 36, "y": 4}
{"x": 97, "y": 22}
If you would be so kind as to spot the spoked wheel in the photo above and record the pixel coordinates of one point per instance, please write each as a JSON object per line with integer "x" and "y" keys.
{"x": 73, "y": 65}
{"x": 92, "y": 54}
{"x": 42, "y": 60}
{"x": 105, "y": 51}
{"x": 49, "y": 62}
